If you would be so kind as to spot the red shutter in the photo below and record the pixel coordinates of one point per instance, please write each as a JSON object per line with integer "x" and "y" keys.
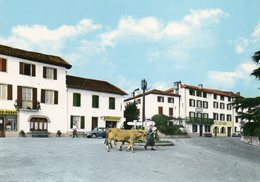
{"x": 34, "y": 98}
{"x": 55, "y": 74}
{"x": 10, "y": 92}
{"x": 56, "y": 96}
{"x": 33, "y": 69}
{"x": 42, "y": 96}
{"x": 44, "y": 72}
{"x": 21, "y": 68}
{"x": 19, "y": 96}
{"x": 3, "y": 64}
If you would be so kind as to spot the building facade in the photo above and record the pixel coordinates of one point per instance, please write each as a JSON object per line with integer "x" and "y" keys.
{"x": 94, "y": 103}
{"x": 156, "y": 102}
{"x": 32, "y": 89}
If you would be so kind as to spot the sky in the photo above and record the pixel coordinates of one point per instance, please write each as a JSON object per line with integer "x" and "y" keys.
{"x": 161, "y": 41}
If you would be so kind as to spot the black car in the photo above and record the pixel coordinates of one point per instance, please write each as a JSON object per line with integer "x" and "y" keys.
{"x": 96, "y": 132}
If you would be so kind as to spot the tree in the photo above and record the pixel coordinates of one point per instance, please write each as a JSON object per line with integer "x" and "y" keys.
{"x": 250, "y": 107}
{"x": 131, "y": 113}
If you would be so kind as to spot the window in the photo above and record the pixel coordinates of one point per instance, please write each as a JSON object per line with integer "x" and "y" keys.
{"x": 199, "y": 103}
{"x": 95, "y": 101}
{"x": 222, "y": 97}
{"x": 170, "y": 100}
{"x": 160, "y": 110}
{"x": 170, "y": 111}
{"x": 222, "y": 105}
{"x": 38, "y": 124}
{"x": 112, "y": 102}
{"x": 223, "y": 130}
{"x": 215, "y": 116}
{"x": 222, "y": 117}
{"x": 3, "y": 92}
{"x": 27, "y": 98}
{"x": 205, "y": 94}
{"x": 194, "y": 128}
{"x": 138, "y": 101}
{"x": 215, "y": 96}
{"x": 50, "y": 73}
{"x": 205, "y": 115}
{"x": 205, "y": 104}
{"x": 49, "y": 96}
{"x": 2, "y": 64}
{"x": 215, "y": 105}
{"x": 199, "y": 94}
{"x": 77, "y": 121}
{"x": 207, "y": 128}
{"x": 192, "y": 114}
{"x": 229, "y": 106}
{"x": 192, "y": 92}
{"x": 192, "y": 103}
{"x": 237, "y": 119}
{"x": 229, "y": 99}
{"x": 199, "y": 115}
{"x": 27, "y": 69}
{"x": 229, "y": 118}
{"x": 76, "y": 99}
{"x": 160, "y": 99}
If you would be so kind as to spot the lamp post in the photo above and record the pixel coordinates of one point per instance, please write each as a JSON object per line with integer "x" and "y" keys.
{"x": 144, "y": 87}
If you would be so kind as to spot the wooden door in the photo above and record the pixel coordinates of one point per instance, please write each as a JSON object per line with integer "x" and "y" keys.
{"x": 2, "y": 127}
{"x": 94, "y": 122}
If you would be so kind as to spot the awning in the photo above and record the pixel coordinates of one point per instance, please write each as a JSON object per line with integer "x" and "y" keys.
{"x": 112, "y": 118}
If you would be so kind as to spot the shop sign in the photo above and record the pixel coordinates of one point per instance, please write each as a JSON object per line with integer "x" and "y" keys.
{"x": 112, "y": 118}
{"x": 8, "y": 112}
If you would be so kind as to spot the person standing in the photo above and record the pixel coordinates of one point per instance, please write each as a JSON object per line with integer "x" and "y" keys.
{"x": 150, "y": 138}
{"x": 74, "y": 132}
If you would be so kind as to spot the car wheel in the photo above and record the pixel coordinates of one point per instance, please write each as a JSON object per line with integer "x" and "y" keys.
{"x": 94, "y": 135}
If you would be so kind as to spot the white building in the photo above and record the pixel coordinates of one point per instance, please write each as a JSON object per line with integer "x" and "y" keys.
{"x": 207, "y": 111}
{"x": 32, "y": 91}
{"x": 156, "y": 102}
{"x": 94, "y": 103}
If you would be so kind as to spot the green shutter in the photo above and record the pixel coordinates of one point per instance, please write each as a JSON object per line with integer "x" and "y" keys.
{"x": 76, "y": 99}
{"x": 95, "y": 101}
{"x": 71, "y": 121}
{"x": 111, "y": 103}
{"x": 82, "y": 122}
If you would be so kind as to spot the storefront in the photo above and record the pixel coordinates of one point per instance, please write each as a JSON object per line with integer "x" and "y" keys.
{"x": 111, "y": 121}
{"x": 8, "y": 121}
{"x": 222, "y": 128}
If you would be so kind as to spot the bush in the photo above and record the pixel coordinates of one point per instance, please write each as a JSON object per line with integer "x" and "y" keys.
{"x": 251, "y": 129}
{"x": 22, "y": 133}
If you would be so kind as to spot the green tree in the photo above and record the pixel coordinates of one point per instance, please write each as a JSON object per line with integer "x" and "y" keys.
{"x": 162, "y": 122}
{"x": 250, "y": 107}
{"x": 131, "y": 113}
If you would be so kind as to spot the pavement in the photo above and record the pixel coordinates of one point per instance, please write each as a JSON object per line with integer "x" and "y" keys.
{"x": 83, "y": 160}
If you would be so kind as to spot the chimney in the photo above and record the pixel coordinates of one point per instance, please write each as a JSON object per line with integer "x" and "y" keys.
{"x": 200, "y": 85}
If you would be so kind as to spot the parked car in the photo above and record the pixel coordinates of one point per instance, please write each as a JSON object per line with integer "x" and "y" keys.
{"x": 96, "y": 132}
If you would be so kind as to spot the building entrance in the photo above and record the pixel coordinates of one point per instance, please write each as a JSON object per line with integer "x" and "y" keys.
{"x": 2, "y": 127}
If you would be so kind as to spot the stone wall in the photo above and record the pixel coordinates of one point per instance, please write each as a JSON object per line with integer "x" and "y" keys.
{"x": 251, "y": 140}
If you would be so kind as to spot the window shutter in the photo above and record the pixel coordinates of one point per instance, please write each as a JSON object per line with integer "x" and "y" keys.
{"x": 19, "y": 96}
{"x": 82, "y": 122}
{"x": 3, "y": 65}
{"x": 71, "y": 121}
{"x": 10, "y": 92}
{"x": 33, "y": 69}
{"x": 42, "y": 96}
{"x": 21, "y": 68}
{"x": 44, "y": 72}
{"x": 55, "y": 74}
{"x": 34, "y": 98}
{"x": 56, "y": 96}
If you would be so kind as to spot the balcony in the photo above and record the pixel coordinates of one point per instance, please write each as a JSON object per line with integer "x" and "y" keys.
{"x": 200, "y": 121}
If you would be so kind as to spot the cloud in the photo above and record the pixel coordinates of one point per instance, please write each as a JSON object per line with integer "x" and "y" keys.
{"x": 243, "y": 43}
{"x": 41, "y": 38}
{"x": 228, "y": 80}
{"x": 151, "y": 29}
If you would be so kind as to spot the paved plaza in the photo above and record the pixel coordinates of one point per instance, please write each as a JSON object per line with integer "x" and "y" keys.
{"x": 81, "y": 159}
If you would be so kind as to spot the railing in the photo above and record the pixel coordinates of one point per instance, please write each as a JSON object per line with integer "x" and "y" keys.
{"x": 205, "y": 121}
{"x": 43, "y": 133}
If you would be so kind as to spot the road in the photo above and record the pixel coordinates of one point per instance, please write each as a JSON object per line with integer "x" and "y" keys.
{"x": 81, "y": 159}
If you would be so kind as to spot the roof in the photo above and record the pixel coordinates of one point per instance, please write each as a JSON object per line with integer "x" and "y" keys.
{"x": 154, "y": 91}
{"x": 213, "y": 91}
{"x": 34, "y": 56}
{"x": 93, "y": 85}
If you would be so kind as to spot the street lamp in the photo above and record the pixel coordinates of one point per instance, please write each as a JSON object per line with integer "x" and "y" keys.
{"x": 144, "y": 87}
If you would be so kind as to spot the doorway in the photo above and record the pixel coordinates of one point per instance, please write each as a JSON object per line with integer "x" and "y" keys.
{"x": 229, "y": 131}
{"x": 94, "y": 122}
{"x": 2, "y": 127}
{"x": 201, "y": 130}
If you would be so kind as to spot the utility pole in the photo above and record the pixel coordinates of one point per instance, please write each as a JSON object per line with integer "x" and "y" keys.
{"x": 144, "y": 87}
